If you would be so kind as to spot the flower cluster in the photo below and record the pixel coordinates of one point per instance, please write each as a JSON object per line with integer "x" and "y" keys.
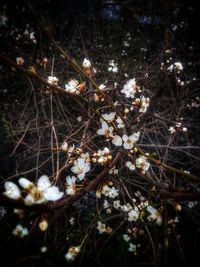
{"x": 74, "y": 86}
{"x": 107, "y": 190}
{"x": 103, "y": 156}
{"x": 130, "y": 88}
{"x": 177, "y": 66}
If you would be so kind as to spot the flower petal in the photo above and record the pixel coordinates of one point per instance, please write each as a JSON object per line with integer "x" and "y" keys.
{"x": 12, "y": 190}
{"x": 52, "y": 193}
{"x": 25, "y": 183}
{"x": 43, "y": 183}
{"x": 117, "y": 140}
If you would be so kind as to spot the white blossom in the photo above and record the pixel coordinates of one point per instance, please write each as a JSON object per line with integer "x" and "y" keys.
{"x": 72, "y": 86}
{"x": 144, "y": 104}
{"x": 102, "y": 86}
{"x": 130, "y": 88}
{"x": 80, "y": 168}
{"x": 142, "y": 163}
{"x": 71, "y": 185}
{"x": 105, "y": 130}
{"x": 86, "y": 63}
{"x": 116, "y": 204}
{"x": 129, "y": 141}
{"x": 112, "y": 66}
{"x": 64, "y": 146}
{"x": 101, "y": 227}
{"x": 113, "y": 192}
{"x": 126, "y": 207}
{"x": 40, "y": 193}
{"x": 120, "y": 123}
{"x": 178, "y": 66}
{"x": 130, "y": 165}
{"x": 51, "y": 193}
{"x": 126, "y": 237}
{"x": 175, "y": 66}
{"x": 132, "y": 247}
{"x": 72, "y": 220}
{"x": 52, "y": 80}
{"x": 20, "y": 61}
{"x": 172, "y": 130}
{"x": 20, "y": 231}
{"x": 133, "y": 215}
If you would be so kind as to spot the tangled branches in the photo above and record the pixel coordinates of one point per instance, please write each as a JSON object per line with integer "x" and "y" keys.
{"x": 100, "y": 157}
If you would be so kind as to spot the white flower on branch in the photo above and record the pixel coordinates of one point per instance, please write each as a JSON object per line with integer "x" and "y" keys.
{"x": 116, "y": 204}
{"x": 133, "y": 215}
{"x": 130, "y": 88}
{"x": 126, "y": 238}
{"x": 105, "y": 130}
{"x": 51, "y": 193}
{"x": 102, "y": 156}
{"x": 86, "y": 63}
{"x": 64, "y": 146}
{"x": 20, "y": 231}
{"x": 52, "y": 80}
{"x": 40, "y": 193}
{"x": 142, "y": 164}
{"x": 80, "y": 168}
{"x": 132, "y": 247}
{"x": 130, "y": 165}
{"x": 129, "y": 141}
{"x": 177, "y": 66}
{"x": 102, "y": 228}
{"x": 107, "y": 191}
{"x": 71, "y": 185}
{"x": 112, "y": 66}
{"x": 172, "y": 130}
{"x": 102, "y": 86}
{"x": 20, "y": 61}
{"x": 144, "y": 104}
{"x": 72, "y": 85}
{"x": 120, "y": 123}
